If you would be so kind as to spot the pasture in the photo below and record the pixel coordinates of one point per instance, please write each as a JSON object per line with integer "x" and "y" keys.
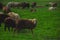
{"x": 48, "y": 23}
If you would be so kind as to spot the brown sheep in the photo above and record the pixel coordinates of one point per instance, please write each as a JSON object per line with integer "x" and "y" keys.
{"x": 26, "y": 24}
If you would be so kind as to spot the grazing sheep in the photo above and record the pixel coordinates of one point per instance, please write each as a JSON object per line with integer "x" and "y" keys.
{"x": 6, "y": 9}
{"x": 51, "y": 8}
{"x": 25, "y": 5}
{"x": 53, "y": 4}
{"x": 9, "y": 23}
{"x": 13, "y": 4}
{"x": 2, "y": 17}
{"x": 26, "y": 24}
{"x": 14, "y": 15}
{"x": 33, "y": 6}
{"x": 18, "y": 5}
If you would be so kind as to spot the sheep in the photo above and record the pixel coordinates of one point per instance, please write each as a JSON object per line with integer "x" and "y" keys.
{"x": 9, "y": 23}
{"x": 11, "y": 20}
{"x": 13, "y": 4}
{"x": 33, "y": 6}
{"x": 51, "y": 8}
{"x": 26, "y": 24}
{"x": 6, "y": 9}
{"x": 2, "y": 17}
{"x": 53, "y": 4}
{"x": 14, "y": 15}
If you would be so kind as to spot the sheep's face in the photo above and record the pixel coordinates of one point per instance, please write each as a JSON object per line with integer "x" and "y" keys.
{"x": 33, "y": 20}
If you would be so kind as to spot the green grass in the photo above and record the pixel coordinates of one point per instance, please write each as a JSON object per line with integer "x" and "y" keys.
{"x": 48, "y": 23}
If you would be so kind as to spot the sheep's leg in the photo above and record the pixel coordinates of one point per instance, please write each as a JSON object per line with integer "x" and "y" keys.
{"x": 14, "y": 30}
{"x": 5, "y": 28}
{"x": 9, "y": 29}
{"x": 18, "y": 31}
{"x": 0, "y": 24}
{"x": 31, "y": 30}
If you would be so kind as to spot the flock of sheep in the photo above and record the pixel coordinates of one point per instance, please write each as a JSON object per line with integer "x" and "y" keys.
{"x": 13, "y": 20}
{"x": 16, "y": 23}
{"x": 53, "y": 5}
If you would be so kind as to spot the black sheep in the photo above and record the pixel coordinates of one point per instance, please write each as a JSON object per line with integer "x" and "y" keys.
{"x": 9, "y": 23}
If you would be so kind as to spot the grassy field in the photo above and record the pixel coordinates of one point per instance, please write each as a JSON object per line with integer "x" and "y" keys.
{"x": 48, "y": 23}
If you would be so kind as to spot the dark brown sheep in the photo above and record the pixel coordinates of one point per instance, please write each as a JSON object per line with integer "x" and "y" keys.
{"x": 9, "y": 23}
{"x": 6, "y": 9}
{"x": 2, "y": 17}
{"x": 26, "y": 24}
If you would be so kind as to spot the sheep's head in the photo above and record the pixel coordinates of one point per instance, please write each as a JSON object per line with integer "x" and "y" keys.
{"x": 33, "y": 20}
